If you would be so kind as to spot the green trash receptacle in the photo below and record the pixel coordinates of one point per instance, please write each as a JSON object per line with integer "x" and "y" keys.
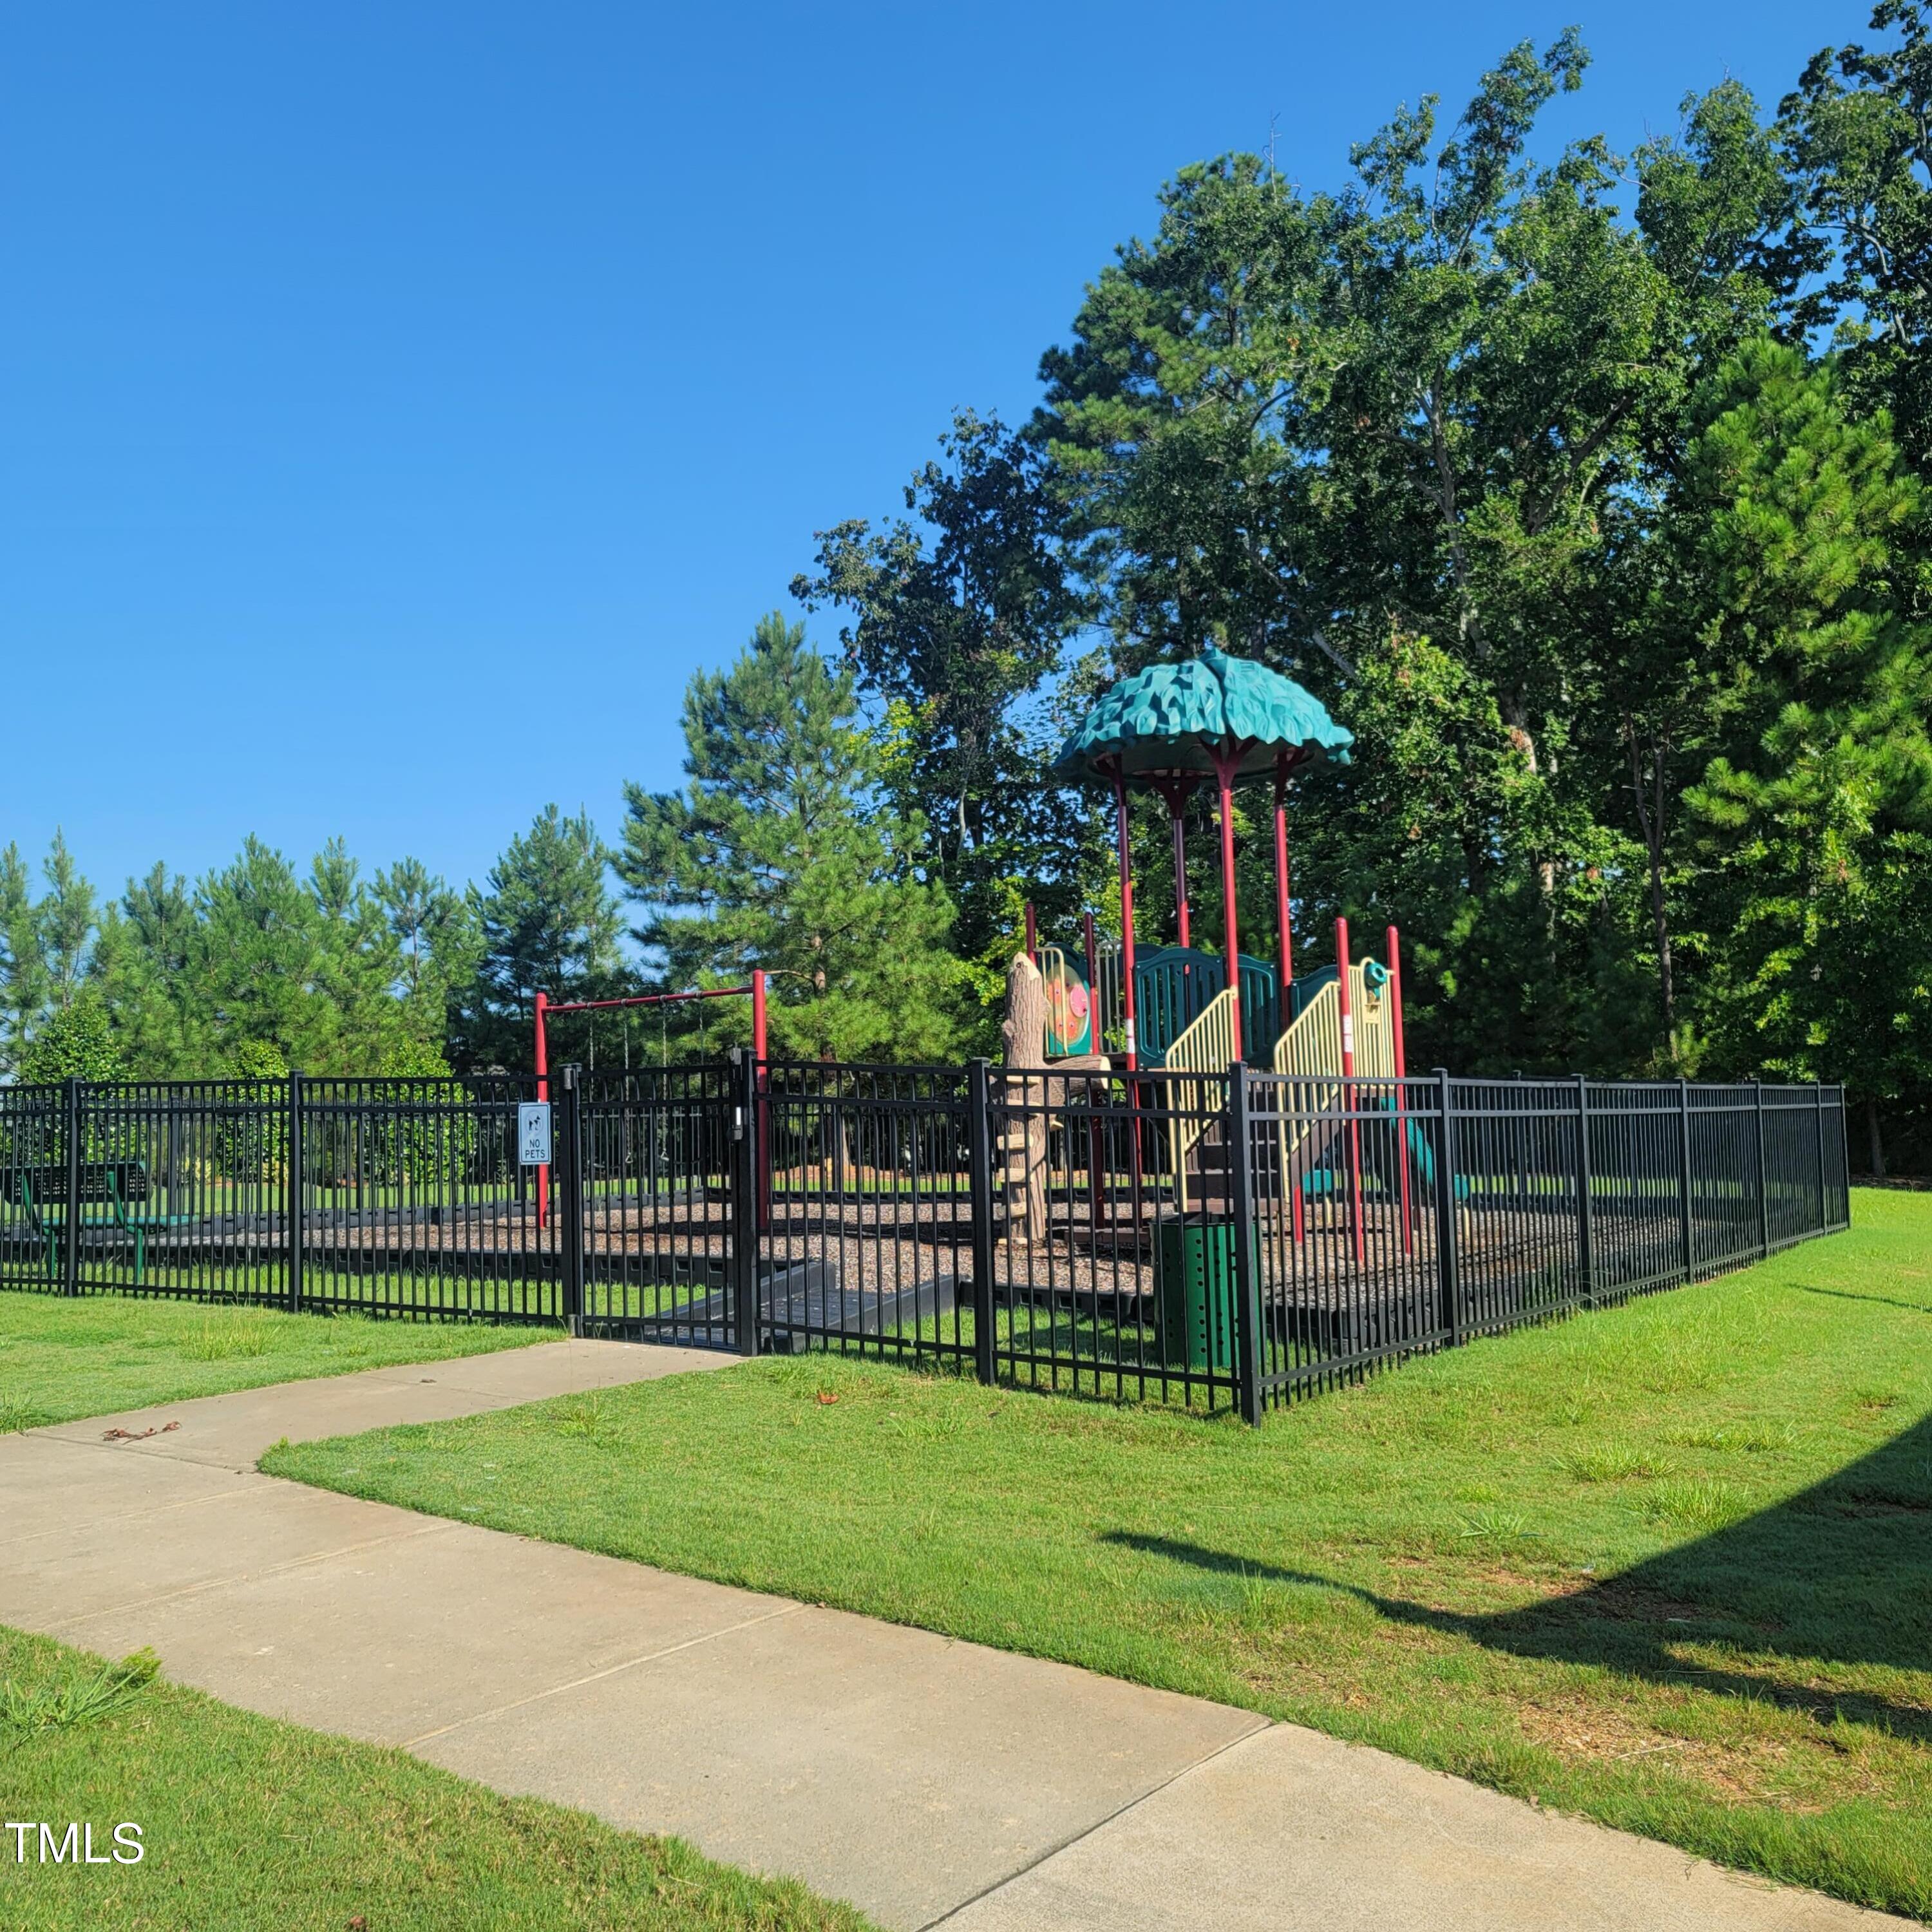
{"x": 1198, "y": 1280}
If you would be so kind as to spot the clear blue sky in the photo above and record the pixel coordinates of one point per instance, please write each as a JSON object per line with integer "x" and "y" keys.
{"x": 397, "y": 402}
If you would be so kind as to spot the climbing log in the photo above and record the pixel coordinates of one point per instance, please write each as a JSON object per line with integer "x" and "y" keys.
{"x": 1025, "y": 1095}
{"x": 1023, "y": 1134}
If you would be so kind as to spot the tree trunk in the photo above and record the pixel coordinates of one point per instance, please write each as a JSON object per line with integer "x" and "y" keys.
{"x": 1877, "y": 1142}
{"x": 1650, "y": 822}
{"x": 1660, "y": 926}
{"x": 1660, "y": 913}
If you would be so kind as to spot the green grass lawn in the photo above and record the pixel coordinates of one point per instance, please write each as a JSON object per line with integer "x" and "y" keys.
{"x": 100, "y": 1353}
{"x": 1668, "y": 1566}
{"x": 247, "y": 1823}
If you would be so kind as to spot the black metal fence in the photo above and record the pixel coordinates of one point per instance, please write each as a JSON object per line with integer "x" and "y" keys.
{"x": 1222, "y": 1241}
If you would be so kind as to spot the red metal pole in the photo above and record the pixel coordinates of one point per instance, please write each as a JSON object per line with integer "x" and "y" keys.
{"x": 1180, "y": 878}
{"x": 1177, "y": 791}
{"x": 1093, "y": 976}
{"x": 1127, "y": 921}
{"x": 1224, "y": 772}
{"x": 1127, "y": 983}
{"x": 543, "y": 1094}
{"x": 1285, "y": 1012}
{"x": 1401, "y": 1092}
{"x": 1096, "y": 1178}
{"x": 764, "y": 1130}
{"x": 649, "y": 1000}
{"x": 1281, "y": 898}
{"x": 1349, "y": 1082}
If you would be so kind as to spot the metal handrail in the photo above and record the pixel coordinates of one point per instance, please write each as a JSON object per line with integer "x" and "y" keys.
{"x": 1206, "y": 1047}
{"x": 1309, "y": 1053}
{"x": 1375, "y": 1034}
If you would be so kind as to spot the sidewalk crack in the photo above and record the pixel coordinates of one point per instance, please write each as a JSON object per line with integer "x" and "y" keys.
{"x": 251, "y": 1576}
{"x": 1072, "y": 1838}
{"x": 598, "y": 1676}
{"x": 143, "y": 1511}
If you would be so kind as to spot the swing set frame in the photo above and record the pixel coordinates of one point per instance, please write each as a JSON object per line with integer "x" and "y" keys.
{"x": 755, "y": 990}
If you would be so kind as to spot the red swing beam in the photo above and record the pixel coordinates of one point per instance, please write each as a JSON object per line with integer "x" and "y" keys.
{"x": 546, "y": 1007}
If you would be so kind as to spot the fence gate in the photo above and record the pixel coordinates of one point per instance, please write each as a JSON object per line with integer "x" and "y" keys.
{"x": 868, "y": 1225}
{"x": 652, "y": 1179}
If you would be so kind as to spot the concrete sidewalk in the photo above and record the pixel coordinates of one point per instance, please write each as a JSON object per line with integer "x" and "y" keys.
{"x": 929, "y": 1781}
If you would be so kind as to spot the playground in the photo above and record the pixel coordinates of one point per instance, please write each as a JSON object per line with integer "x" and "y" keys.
{"x": 1196, "y": 1174}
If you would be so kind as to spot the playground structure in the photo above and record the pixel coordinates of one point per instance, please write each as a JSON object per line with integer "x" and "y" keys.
{"x": 1167, "y": 730}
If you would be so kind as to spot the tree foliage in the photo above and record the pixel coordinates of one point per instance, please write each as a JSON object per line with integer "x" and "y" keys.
{"x": 77, "y": 1043}
{"x": 953, "y": 624}
{"x": 1857, "y": 135}
{"x": 1813, "y": 807}
{"x": 548, "y": 921}
{"x": 1586, "y": 488}
{"x": 253, "y": 970}
{"x": 783, "y": 853}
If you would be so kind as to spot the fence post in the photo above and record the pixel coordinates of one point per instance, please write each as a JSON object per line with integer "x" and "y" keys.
{"x": 291, "y": 1211}
{"x": 1763, "y": 1171}
{"x": 570, "y": 1197}
{"x": 1519, "y": 1123}
{"x": 745, "y": 1190}
{"x": 1448, "y": 1286}
{"x": 979, "y": 1204}
{"x": 1247, "y": 1311}
{"x": 70, "y": 1221}
{"x": 1586, "y": 1229}
{"x": 1687, "y": 1241}
{"x": 1818, "y": 1110}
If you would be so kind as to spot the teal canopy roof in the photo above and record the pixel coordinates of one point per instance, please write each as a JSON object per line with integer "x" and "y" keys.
{"x": 1163, "y": 722}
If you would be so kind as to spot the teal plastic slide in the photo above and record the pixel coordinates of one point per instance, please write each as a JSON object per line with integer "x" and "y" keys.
{"x": 1322, "y": 1180}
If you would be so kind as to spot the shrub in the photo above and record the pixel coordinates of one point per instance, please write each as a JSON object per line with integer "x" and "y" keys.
{"x": 77, "y": 1043}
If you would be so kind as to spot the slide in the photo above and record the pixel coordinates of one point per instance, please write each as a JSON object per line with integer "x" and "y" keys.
{"x": 1422, "y": 1155}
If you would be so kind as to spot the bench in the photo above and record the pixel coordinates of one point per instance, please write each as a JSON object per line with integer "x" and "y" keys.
{"x": 118, "y": 1185}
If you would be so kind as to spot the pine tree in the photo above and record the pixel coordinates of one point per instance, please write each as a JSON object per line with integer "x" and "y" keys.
{"x": 358, "y": 963}
{"x": 47, "y": 945}
{"x": 952, "y": 628}
{"x": 254, "y": 966}
{"x": 140, "y": 963}
{"x": 781, "y": 854}
{"x": 438, "y": 944}
{"x": 23, "y": 972}
{"x": 1813, "y": 814}
{"x": 67, "y": 917}
{"x": 549, "y": 922}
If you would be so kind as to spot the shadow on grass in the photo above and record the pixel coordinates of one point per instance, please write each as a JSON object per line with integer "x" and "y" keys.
{"x": 1840, "y": 1573}
{"x": 1852, "y": 1294}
